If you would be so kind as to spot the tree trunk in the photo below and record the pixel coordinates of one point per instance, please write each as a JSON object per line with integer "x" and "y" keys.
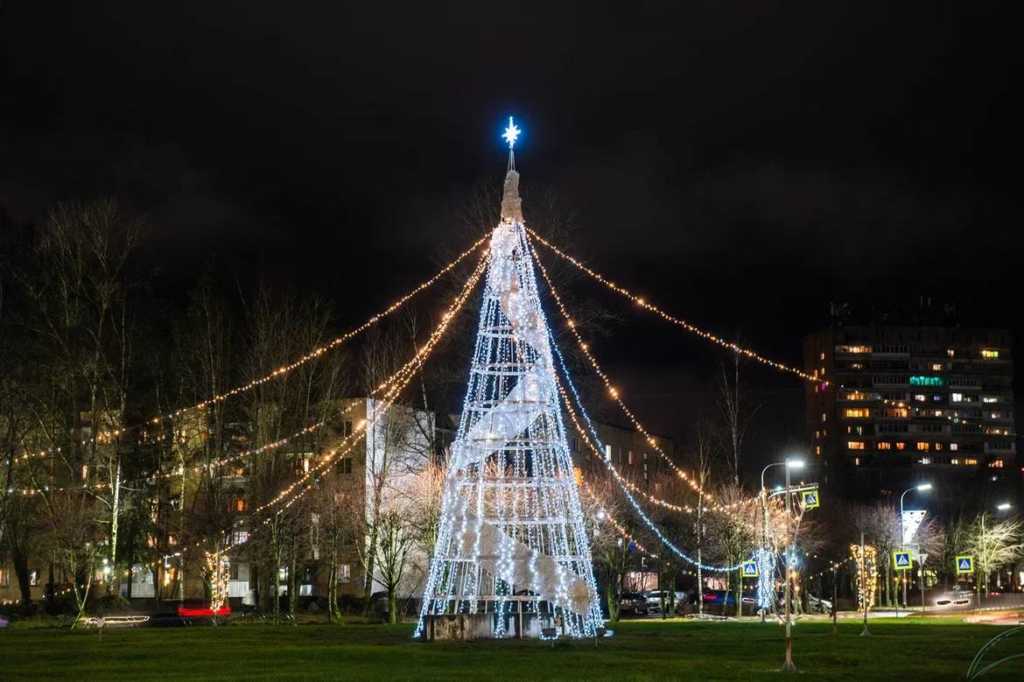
{"x": 392, "y": 605}
{"x": 293, "y": 581}
{"x": 612, "y": 598}
{"x": 20, "y": 562}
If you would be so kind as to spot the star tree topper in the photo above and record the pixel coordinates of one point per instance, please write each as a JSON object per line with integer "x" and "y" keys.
{"x": 511, "y": 133}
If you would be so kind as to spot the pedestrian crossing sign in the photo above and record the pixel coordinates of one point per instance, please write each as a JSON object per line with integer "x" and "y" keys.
{"x": 811, "y": 500}
{"x": 901, "y": 559}
{"x": 964, "y": 565}
{"x": 750, "y": 569}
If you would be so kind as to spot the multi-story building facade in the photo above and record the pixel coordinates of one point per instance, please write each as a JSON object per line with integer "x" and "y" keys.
{"x": 383, "y": 471}
{"x": 908, "y": 404}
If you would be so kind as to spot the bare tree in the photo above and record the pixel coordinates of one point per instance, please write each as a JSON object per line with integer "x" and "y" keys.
{"x": 737, "y": 414}
{"x": 994, "y": 544}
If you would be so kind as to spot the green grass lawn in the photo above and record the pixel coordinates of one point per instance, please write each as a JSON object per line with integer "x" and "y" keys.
{"x": 641, "y": 650}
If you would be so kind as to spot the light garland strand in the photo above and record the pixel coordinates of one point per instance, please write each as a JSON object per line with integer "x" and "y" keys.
{"x": 396, "y": 383}
{"x": 706, "y": 335}
{"x": 614, "y": 393}
{"x": 632, "y": 500}
{"x": 109, "y": 436}
{"x": 607, "y": 516}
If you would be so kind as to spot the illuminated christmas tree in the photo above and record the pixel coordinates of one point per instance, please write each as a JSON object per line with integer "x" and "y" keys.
{"x": 512, "y": 555}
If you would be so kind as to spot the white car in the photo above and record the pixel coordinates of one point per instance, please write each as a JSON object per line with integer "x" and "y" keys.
{"x": 955, "y": 598}
{"x": 654, "y": 599}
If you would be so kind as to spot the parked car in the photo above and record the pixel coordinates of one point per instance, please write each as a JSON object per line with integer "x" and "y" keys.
{"x": 818, "y": 605}
{"x": 723, "y": 598}
{"x": 200, "y": 608}
{"x": 653, "y": 600}
{"x": 633, "y": 603}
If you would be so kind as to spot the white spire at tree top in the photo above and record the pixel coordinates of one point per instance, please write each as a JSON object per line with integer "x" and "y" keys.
{"x": 510, "y": 135}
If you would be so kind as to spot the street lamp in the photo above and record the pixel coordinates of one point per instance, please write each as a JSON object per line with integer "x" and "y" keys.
{"x": 791, "y": 464}
{"x": 921, "y": 488}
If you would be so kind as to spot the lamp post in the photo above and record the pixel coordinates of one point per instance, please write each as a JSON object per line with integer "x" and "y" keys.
{"x": 791, "y": 463}
{"x": 921, "y": 488}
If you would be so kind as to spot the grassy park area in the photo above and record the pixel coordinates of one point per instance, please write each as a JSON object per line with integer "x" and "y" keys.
{"x": 924, "y": 649}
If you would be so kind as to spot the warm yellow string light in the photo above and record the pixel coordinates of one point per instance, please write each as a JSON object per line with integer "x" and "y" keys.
{"x": 622, "y": 480}
{"x": 612, "y": 391}
{"x": 396, "y": 383}
{"x": 111, "y": 435}
{"x": 706, "y": 335}
{"x": 400, "y": 379}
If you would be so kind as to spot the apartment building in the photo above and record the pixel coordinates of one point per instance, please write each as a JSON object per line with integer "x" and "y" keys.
{"x": 910, "y": 403}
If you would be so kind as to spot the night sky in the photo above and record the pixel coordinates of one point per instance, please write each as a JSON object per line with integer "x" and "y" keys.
{"x": 741, "y": 163}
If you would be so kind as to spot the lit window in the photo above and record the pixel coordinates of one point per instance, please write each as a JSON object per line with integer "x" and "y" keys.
{"x": 85, "y": 471}
{"x": 822, "y": 357}
{"x": 920, "y": 397}
{"x": 898, "y": 412}
{"x": 925, "y": 460}
{"x": 900, "y": 445}
{"x": 922, "y": 446}
{"x": 884, "y": 445}
{"x": 938, "y": 446}
{"x": 853, "y": 349}
{"x": 5, "y": 577}
{"x": 970, "y": 461}
{"x": 954, "y": 461}
{"x": 954, "y": 446}
{"x": 857, "y": 413}
{"x": 957, "y": 397}
{"x": 996, "y": 415}
{"x": 856, "y": 461}
{"x": 855, "y": 445}
{"x": 817, "y": 450}
{"x": 238, "y": 504}
{"x": 937, "y": 367}
{"x": 989, "y": 354}
{"x": 824, "y": 417}
{"x": 996, "y": 464}
{"x": 990, "y": 399}
{"x": 950, "y": 352}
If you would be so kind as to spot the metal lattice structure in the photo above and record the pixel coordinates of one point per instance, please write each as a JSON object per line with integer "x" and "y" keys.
{"x": 512, "y": 557}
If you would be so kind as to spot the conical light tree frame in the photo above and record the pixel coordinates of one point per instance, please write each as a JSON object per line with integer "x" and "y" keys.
{"x": 512, "y": 545}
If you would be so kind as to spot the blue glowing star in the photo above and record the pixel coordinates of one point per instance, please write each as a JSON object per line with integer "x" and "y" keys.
{"x": 511, "y": 133}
